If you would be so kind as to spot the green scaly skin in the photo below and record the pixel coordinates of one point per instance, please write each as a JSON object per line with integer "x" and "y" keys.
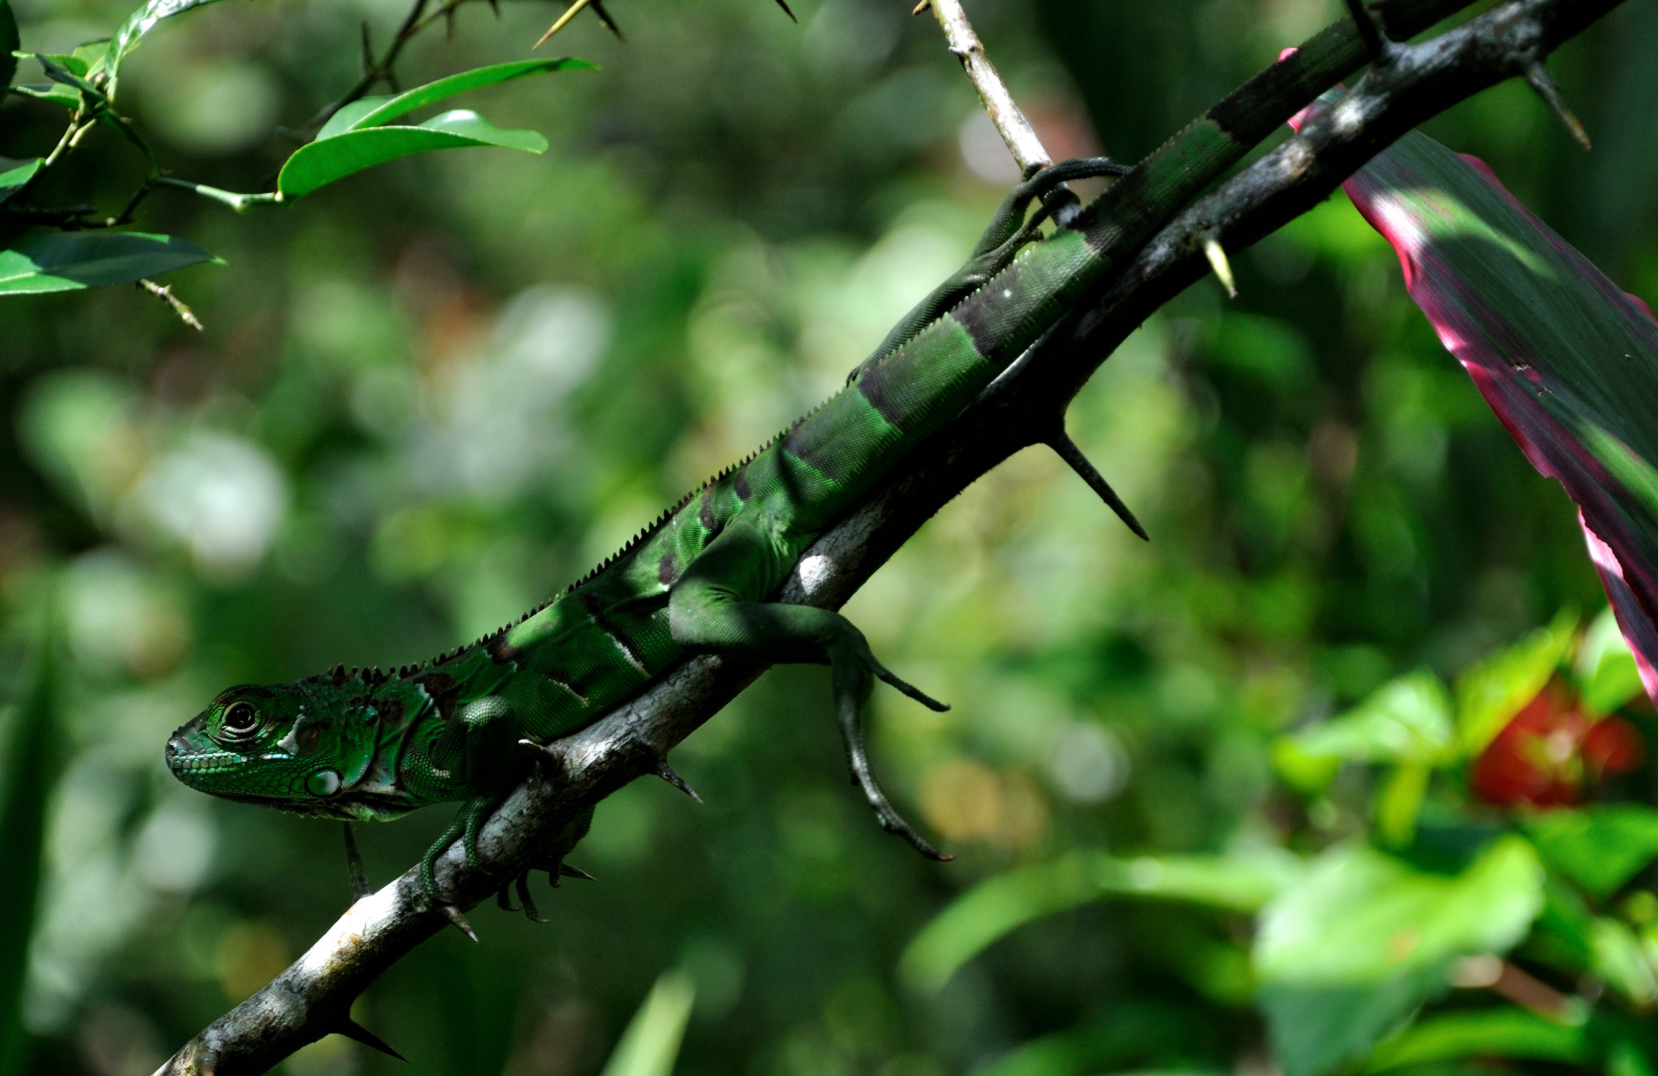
{"x": 370, "y": 745}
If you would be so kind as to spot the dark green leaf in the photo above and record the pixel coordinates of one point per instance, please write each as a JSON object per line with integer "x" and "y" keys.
{"x": 12, "y": 181}
{"x": 392, "y": 107}
{"x": 1504, "y": 1032}
{"x": 1317, "y": 1029}
{"x": 9, "y": 43}
{"x": 1600, "y": 848}
{"x": 66, "y": 261}
{"x": 324, "y": 161}
{"x": 1002, "y": 904}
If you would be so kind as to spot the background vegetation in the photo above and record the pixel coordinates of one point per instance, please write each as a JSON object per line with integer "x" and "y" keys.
{"x": 428, "y": 397}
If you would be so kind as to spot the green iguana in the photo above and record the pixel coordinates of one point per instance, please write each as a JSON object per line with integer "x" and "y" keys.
{"x": 363, "y": 744}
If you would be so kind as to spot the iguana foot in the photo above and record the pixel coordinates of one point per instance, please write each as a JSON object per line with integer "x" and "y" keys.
{"x": 854, "y": 672}
{"x": 465, "y": 825}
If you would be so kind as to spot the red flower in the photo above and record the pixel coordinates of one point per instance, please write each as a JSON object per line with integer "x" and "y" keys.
{"x": 1549, "y": 753}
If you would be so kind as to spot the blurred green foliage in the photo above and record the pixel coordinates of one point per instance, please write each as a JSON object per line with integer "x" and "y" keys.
{"x": 430, "y": 395}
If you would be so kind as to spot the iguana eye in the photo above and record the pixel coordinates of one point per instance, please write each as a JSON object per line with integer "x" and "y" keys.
{"x": 240, "y": 718}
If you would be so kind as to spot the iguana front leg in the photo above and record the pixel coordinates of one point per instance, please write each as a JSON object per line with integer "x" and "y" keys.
{"x": 717, "y": 606}
{"x": 1002, "y": 237}
{"x": 478, "y": 749}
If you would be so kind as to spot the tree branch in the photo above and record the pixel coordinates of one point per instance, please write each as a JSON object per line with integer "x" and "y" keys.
{"x": 1004, "y": 112}
{"x": 313, "y": 997}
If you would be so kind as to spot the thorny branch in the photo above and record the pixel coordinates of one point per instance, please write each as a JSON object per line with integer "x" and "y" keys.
{"x": 998, "y": 103}
{"x": 313, "y": 997}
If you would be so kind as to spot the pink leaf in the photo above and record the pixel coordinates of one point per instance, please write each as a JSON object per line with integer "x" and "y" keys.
{"x": 1565, "y": 358}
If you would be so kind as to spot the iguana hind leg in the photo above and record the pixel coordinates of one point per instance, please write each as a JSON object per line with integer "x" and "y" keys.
{"x": 716, "y": 606}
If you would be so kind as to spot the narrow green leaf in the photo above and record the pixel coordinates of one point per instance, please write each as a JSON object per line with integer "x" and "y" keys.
{"x": 1600, "y": 847}
{"x": 30, "y": 769}
{"x": 1505, "y": 1032}
{"x": 650, "y": 1045}
{"x": 1492, "y": 692}
{"x": 999, "y": 906}
{"x": 138, "y": 24}
{"x": 73, "y": 64}
{"x": 10, "y": 42}
{"x": 1362, "y": 917}
{"x": 12, "y": 181}
{"x": 392, "y": 107}
{"x": 324, "y": 161}
{"x": 66, "y": 261}
{"x": 347, "y": 116}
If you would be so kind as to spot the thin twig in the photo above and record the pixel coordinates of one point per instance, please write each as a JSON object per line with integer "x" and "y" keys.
{"x": 1011, "y": 124}
{"x": 313, "y": 997}
{"x": 165, "y": 294}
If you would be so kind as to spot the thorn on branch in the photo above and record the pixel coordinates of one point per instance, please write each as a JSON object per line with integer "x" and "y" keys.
{"x": 351, "y": 1029}
{"x": 455, "y": 917}
{"x": 784, "y": 5}
{"x": 1539, "y": 79}
{"x": 670, "y": 775}
{"x": 1376, "y": 41}
{"x": 567, "y": 871}
{"x": 165, "y": 294}
{"x": 1068, "y": 451}
{"x": 604, "y": 17}
{"x": 1223, "y": 268}
{"x": 919, "y": 8}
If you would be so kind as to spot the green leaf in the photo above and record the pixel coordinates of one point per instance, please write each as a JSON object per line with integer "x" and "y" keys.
{"x": 73, "y": 64}
{"x": 1507, "y": 1032}
{"x": 138, "y": 24}
{"x": 1362, "y": 917}
{"x": 12, "y": 181}
{"x": 66, "y": 261}
{"x": 345, "y": 119}
{"x": 1317, "y": 1029}
{"x": 1605, "y": 666}
{"x": 1406, "y": 720}
{"x": 1600, "y": 848}
{"x": 324, "y": 161}
{"x": 1000, "y": 905}
{"x": 1399, "y": 802}
{"x": 392, "y": 107}
{"x": 650, "y": 1044}
{"x": 1492, "y": 692}
{"x": 1620, "y": 961}
{"x": 10, "y": 42}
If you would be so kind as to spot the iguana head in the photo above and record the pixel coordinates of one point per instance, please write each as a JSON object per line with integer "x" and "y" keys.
{"x": 323, "y": 746}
